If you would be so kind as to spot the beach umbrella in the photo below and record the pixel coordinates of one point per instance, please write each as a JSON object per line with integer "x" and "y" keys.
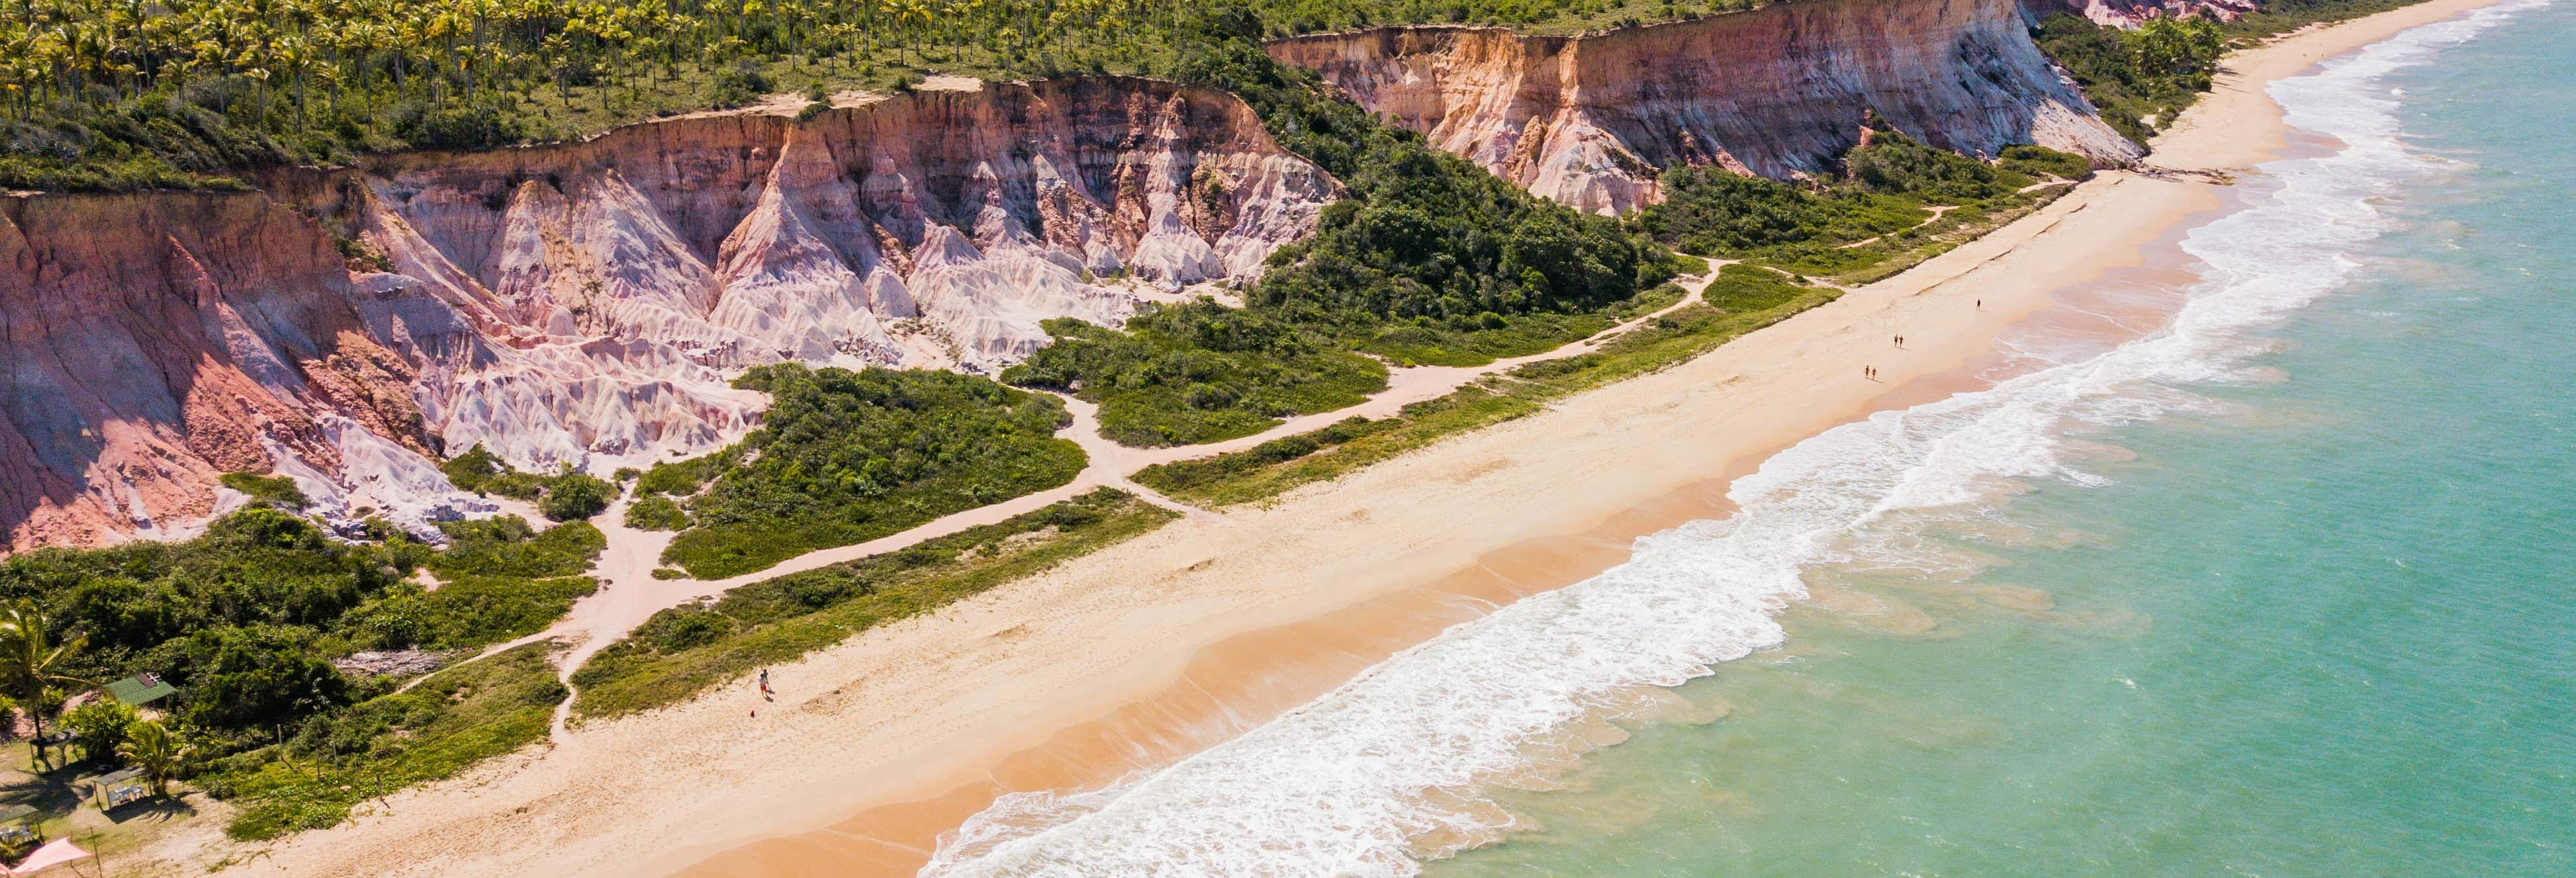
{"x": 54, "y": 853}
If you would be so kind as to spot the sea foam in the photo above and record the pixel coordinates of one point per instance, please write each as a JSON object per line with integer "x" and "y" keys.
{"x": 1394, "y": 765}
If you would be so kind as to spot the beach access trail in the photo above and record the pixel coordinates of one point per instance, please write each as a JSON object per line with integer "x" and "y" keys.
{"x": 1150, "y": 649}
{"x": 629, "y": 594}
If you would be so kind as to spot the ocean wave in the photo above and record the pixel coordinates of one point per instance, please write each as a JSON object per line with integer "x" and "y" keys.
{"x": 1393, "y": 766}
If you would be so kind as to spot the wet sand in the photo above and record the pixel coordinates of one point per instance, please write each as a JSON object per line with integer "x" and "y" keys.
{"x": 1152, "y": 649}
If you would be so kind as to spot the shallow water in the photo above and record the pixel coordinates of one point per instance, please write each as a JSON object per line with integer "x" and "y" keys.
{"x": 2282, "y": 590}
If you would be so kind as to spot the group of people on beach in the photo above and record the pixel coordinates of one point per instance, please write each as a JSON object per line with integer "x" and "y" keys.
{"x": 1871, "y": 372}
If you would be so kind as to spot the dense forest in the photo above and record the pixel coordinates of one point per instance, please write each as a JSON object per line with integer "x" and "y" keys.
{"x": 119, "y": 94}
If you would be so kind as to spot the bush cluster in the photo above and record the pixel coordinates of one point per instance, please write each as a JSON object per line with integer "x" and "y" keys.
{"x": 844, "y": 457}
{"x": 1884, "y": 188}
{"x": 567, "y": 495}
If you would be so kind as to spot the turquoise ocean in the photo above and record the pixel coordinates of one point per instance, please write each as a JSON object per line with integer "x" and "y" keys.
{"x": 2284, "y": 588}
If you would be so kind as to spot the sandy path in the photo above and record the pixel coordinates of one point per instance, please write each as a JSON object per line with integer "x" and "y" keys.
{"x": 1099, "y": 664}
{"x": 629, "y": 595}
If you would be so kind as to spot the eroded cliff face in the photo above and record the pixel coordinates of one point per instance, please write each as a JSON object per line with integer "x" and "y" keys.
{"x": 586, "y": 303}
{"x": 1777, "y": 91}
{"x": 2128, "y": 13}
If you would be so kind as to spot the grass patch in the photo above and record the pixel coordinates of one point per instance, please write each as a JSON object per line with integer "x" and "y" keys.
{"x": 684, "y": 651}
{"x": 452, "y": 720}
{"x": 1487, "y": 338}
{"x": 1741, "y": 299}
{"x": 845, "y": 457}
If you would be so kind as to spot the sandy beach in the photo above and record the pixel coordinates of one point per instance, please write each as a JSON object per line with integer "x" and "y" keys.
{"x": 1133, "y": 656}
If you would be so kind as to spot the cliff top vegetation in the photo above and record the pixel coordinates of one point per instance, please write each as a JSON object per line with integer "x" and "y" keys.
{"x": 121, "y": 95}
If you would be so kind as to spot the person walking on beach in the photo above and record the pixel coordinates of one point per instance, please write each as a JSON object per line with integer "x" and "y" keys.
{"x": 764, "y": 681}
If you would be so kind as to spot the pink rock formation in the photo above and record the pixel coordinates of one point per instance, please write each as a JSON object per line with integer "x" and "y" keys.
{"x": 1778, "y": 91}
{"x": 154, "y": 342}
{"x": 584, "y": 303}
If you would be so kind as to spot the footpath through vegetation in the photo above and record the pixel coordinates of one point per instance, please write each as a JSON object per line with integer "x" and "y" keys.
{"x": 314, "y": 671}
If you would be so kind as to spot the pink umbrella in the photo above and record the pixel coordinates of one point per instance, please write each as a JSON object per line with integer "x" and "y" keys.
{"x": 54, "y": 853}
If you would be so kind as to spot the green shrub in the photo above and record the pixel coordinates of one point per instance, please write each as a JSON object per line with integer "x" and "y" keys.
{"x": 565, "y": 496}
{"x": 101, "y": 726}
{"x": 2040, "y": 162}
{"x": 278, "y": 491}
{"x": 452, "y": 720}
{"x": 683, "y": 478}
{"x": 2139, "y": 80}
{"x": 737, "y": 84}
{"x": 482, "y": 472}
{"x": 1741, "y": 299}
{"x": 571, "y": 496}
{"x": 845, "y": 457}
{"x": 477, "y": 126}
{"x": 655, "y": 512}
{"x": 1197, "y": 372}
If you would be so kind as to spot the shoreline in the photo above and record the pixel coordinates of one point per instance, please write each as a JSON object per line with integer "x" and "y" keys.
{"x": 1150, "y": 649}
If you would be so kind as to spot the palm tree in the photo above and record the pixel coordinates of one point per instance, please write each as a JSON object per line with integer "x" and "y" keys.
{"x": 30, "y": 660}
{"x": 150, "y": 746}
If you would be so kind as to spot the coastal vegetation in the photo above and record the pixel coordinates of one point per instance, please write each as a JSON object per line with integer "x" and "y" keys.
{"x": 686, "y": 650}
{"x": 2139, "y": 79}
{"x": 1427, "y": 260}
{"x": 110, "y": 95}
{"x": 656, "y": 512}
{"x": 845, "y": 457}
{"x": 567, "y": 495}
{"x": 1894, "y": 202}
{"x": 277, "y": 491}
{"x": 328, "y": 764}
{"x": 247, "y": 622}
{"x": 1742, "y": 298}
{"x": 1197, "y": 372}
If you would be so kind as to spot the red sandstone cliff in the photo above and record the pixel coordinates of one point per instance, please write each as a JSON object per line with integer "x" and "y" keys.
{"x": 572, "y": 302}
{"x": 1778, "y": 91}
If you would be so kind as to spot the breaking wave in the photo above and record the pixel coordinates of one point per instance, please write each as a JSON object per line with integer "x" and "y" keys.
{"x": 1394, "y": 765}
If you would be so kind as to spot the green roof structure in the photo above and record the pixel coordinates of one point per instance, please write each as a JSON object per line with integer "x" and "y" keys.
{"x": 140, "y": 689}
